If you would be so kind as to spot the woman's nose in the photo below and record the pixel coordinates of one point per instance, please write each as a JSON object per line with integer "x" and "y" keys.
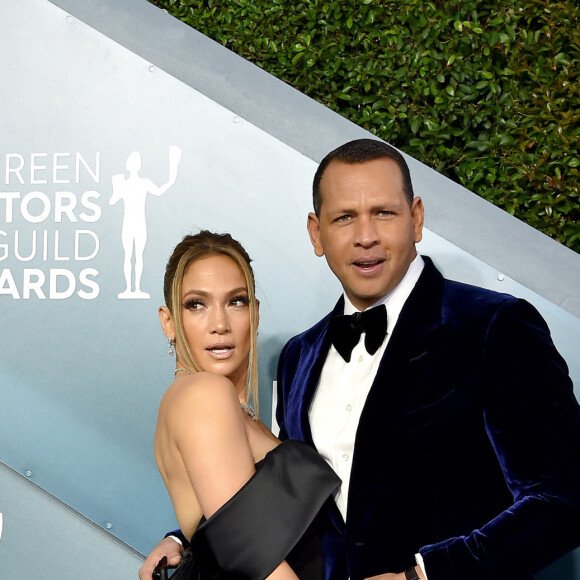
{"x": 219, "y": 321}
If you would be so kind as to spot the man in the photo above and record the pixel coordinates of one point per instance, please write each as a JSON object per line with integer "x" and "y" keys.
{"x": 456, "y": 434}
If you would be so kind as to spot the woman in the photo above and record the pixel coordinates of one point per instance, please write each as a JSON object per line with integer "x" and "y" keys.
{"x": 209, "y": 440}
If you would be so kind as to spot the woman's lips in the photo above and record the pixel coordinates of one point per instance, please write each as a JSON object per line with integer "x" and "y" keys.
{"x": 220, "y": 351}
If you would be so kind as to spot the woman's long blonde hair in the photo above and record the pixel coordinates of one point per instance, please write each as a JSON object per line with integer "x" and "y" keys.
{"x": 190, "y": 249}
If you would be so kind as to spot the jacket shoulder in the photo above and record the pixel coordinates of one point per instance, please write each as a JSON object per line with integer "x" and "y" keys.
{"x": 310, "y": 336}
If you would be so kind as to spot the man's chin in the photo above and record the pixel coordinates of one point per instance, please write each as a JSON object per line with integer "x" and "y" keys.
{"x": 362, "y": 300}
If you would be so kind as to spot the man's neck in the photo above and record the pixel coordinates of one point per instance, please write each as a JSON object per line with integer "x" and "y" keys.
{"x": 409, "y": 280}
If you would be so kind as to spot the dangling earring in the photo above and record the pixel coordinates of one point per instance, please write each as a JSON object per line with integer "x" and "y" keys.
{"x": 170, "y": 347}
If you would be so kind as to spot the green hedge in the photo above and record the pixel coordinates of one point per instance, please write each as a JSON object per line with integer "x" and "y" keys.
{"x": 487, "y": 93}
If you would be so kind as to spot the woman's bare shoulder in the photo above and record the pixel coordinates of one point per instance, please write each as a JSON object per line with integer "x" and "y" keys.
{"x": 198, "y": 393}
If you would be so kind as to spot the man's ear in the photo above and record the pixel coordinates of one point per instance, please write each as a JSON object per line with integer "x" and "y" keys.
{"x": 313, "y": 226}
{"x": 167, "y": 323}
{"x": 418, "y": 217}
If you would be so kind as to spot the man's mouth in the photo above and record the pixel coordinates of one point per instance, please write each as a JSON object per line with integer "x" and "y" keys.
{"x": 368, "y": 266}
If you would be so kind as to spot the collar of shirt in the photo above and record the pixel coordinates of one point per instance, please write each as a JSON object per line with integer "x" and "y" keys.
{"x": 396, "y": 298}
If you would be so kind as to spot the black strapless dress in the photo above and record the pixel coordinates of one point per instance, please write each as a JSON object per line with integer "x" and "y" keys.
{"x": 274, "y": 517}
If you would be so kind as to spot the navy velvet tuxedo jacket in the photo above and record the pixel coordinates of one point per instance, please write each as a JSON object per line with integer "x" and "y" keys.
{"x": 468, "y": 446}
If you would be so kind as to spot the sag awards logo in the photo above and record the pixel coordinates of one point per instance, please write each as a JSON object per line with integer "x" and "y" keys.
{"x": 49, "y": 197}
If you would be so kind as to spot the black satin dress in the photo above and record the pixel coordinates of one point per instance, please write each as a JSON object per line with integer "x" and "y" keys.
{"x": 274, "y": 517}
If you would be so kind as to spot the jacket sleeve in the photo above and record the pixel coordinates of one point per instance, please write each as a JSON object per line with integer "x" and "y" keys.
{"x": 532, "y": 419}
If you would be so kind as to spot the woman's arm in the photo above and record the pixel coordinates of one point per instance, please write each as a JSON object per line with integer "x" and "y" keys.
{"x": 206, "y": 426}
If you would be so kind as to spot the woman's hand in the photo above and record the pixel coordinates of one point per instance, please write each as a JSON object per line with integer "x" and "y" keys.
{"x": 400, "y": 576}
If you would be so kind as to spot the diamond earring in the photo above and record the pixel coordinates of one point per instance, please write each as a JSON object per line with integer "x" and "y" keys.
{"x": 170, "y": 347}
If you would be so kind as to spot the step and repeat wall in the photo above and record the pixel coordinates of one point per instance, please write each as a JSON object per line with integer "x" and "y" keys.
{"x": 106, "y": 162}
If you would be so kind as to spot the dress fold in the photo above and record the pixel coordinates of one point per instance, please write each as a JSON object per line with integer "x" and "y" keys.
{"x": 274, "y": 513}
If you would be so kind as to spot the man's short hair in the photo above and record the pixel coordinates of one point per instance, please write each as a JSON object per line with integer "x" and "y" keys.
{"x": 361, "y": 151}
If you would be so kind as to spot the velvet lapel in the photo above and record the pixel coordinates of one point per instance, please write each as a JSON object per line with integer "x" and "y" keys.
{"x": 308, "y": 372}
{"x": 305, "y": 384}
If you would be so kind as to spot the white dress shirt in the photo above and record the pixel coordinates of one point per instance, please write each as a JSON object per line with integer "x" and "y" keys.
{"x": 343, "y": 388}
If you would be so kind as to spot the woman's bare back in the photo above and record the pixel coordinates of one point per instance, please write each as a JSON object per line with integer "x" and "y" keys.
{"x": 206, "y": 445}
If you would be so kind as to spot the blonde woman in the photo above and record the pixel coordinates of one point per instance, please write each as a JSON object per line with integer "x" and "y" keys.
{"x": 243, "y": 499}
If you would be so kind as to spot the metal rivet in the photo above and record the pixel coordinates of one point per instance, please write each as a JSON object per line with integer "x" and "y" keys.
{"x": 108, "y": 525}
{"x": 236, "y": 119}
{"x": 500, "y": 277}
{"x": 151, "y": 68}
{"x": 69, "y": 18}
{"x": 28, "y": 473}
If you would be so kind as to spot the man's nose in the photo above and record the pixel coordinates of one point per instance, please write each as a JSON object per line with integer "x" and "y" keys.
{"x": 366, "y": 233}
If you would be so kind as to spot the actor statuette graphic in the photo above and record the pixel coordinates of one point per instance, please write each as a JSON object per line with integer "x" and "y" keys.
{"x": 133, "y": 191}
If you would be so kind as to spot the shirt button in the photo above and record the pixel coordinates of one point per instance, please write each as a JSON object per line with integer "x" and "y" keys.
{"x": 360, "y": 358}
{"x": 346, "y": 456}
{"x": 349, "y": 407}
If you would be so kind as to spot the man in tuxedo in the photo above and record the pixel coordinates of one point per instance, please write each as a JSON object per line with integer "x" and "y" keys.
{"x": 444, "y": 408}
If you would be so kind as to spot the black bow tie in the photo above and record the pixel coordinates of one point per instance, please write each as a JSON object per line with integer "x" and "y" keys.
{"x": 345, "y": 330}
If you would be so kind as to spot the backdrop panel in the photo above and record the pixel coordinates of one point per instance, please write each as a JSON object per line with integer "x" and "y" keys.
{"x": 97, "y": 146}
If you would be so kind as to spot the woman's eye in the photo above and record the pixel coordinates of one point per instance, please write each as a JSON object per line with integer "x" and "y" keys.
{"x": 240, "y": 301}
{"x": 193, "y": 305}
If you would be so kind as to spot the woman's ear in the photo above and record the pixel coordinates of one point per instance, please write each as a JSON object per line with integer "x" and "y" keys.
{"x": 166, "y": 320}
